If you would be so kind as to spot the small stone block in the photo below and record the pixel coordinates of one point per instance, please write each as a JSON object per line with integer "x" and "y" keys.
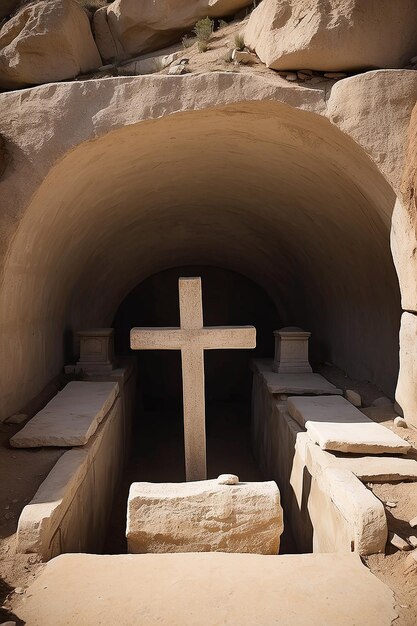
{"x": 413, "y": 522}
{"x": 96, "y": 350}
{"x": 291, "y": 349}
{"x": 353, "y": 397}
{"x": 400, "y": 422}
{"x": 412, "y": 540}
{"x": 334, "y": 424}
{"x": 204, "y": 516}
{"x": 399, "y": 542}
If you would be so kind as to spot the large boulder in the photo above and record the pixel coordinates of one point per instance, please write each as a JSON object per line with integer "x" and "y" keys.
{"x": 44, "y": 42}
{"x": 333, "y": 35}
{"x": 140, "y": 26}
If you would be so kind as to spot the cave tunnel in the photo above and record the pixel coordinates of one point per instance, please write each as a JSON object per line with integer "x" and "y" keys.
{"x": 285, "y": 218}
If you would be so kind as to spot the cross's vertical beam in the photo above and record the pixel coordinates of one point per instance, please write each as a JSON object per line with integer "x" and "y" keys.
{"x": 191, "y": 303}
{"x": 194, "y": 413}
{"x": 192, "y": 357}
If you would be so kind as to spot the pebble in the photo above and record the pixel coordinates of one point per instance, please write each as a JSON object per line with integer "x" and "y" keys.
{"x": 400, "y": 422}
{"x": 412, "y": 540}
{"x": 382, "y": 401}
{"x": 399, "y": 542}
{"x": 291, "y": 77}
{"x": 413, "y": 522}
{"x": 308, "y": 72}
{"x": 228, "y": 479}
{"x": 411, "y": 561}
{"x": 391, "y": 505}
{"x": 335, "y": 75}
{"x": 8, "y": 624}
{"x": 177, "y": 70}
{"x": 19, "y": 590}
{"x": 16, "y": 419}
{"x": 353, "y": 397}
{"x": 303, "y": 76}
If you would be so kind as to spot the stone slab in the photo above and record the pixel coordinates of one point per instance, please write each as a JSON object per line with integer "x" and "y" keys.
{"x": 297, "y": 384}
{"x": 204, "y": 516}
{"x": 70, "y": 418}
{"x": 40, "y": 519}
{"x": 207, "y": 589}
{"x": 335, "y": 424}
{"x": 379, "y": 469}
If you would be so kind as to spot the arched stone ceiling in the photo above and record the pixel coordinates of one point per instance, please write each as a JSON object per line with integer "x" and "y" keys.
{"x": 278, "y": 194}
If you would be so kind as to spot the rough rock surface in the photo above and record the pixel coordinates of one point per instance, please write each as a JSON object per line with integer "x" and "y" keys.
{"x": 406, "y": 387}
{"x": 46, "y": 41}
{"x": 331, "y": 35}
{"x": 136, "y": 26}
{"x": 204, "y": 516}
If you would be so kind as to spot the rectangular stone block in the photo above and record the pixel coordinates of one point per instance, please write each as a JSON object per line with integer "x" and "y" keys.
{"x": 291, "y": 351}
{"x": 204, "y": 516}
{"x": 96, "y": 350}
{"x": 335, "y": 424}
{"x": 70, "y": 418}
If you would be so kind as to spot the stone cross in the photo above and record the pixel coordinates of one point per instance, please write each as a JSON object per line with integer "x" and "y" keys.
{"x": 192, "y": 338}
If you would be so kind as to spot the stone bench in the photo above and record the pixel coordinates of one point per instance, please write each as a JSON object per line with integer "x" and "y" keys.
{"x": 70, "y": 418}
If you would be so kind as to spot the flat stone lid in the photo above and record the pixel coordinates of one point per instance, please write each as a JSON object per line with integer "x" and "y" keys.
{"x": 335, "y": 424}
{"x": 207, "y": 589}
{"x": 297, "y": 384}
{"x": 70, "y": 418}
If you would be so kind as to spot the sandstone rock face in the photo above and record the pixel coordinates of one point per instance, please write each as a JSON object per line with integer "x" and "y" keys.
{"x": 46, "y": 41}
{"x": 204, "y": 516}
{"x": 333, "y": 35}
{"x": 406, "y": 387}
{"x": 142, "y": 26}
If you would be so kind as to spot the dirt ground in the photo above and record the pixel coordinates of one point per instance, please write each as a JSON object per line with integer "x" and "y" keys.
{"x": 392, "y": 567}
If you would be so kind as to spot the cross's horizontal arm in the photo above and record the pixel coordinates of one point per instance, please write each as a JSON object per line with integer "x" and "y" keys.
{"x": 227, "y": 337}
{"x": 207, "y": 338}
{"x": 156, "y": 338}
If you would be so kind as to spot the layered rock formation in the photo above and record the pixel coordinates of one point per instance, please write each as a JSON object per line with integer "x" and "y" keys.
{"x": 137, "y": 26}
{"x": 46, "y": 41}
{"x": 333, "y": 35}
